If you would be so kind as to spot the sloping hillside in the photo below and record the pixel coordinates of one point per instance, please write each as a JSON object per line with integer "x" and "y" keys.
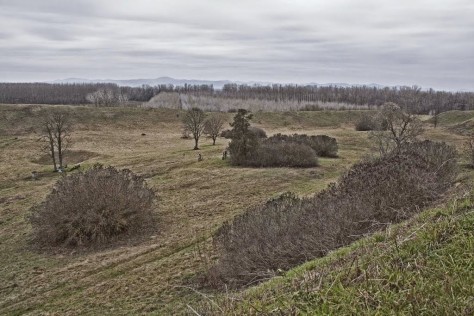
{"x": 423, "y": 266}
{"x": 153, "y": 275}
{"x": 459, "y": 122}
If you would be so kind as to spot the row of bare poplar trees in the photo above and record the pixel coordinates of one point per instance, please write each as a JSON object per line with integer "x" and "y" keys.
{"x": 412, "y": 99}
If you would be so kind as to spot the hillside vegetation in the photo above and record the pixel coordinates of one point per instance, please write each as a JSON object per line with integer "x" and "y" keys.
{"x": 157, "y": 274}
{"x": 421, "y": 267}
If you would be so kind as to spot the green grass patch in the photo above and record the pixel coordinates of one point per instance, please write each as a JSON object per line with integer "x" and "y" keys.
{"x": 307, "y": 119}
{"x": 454, "y": 117}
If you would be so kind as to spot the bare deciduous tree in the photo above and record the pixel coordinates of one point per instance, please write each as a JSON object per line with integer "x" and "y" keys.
{"x": 395, "y": 128}
{"x": 108, "y": 97}
{"x": 193, "y": 121}
{"x": 56, "y": 132}
{"x": 308, "y": 97}
{"x": 49, "y": 142}
{"x": 213, "y": 126}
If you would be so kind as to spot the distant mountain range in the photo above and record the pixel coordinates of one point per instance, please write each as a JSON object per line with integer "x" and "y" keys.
{"x": 218, "y": 84}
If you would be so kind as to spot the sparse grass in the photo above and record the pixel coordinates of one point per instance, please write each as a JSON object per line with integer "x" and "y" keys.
{"x": 195, "y": 199}
{"x": 307, "y": 119}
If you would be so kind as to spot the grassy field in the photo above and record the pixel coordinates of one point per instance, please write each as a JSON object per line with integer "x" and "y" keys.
{"x": 156, "y": 274}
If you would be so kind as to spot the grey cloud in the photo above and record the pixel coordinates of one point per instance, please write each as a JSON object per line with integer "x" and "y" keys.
{"x": 422, "y": 42}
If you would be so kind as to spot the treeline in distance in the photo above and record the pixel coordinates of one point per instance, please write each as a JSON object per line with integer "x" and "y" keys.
{"x": 412, "y": 99}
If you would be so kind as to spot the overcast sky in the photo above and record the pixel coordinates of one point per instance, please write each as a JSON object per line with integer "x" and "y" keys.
{"x": 428, "y": 43}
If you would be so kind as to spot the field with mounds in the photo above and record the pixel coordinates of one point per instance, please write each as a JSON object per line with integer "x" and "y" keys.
{"x": 159, "y": 273}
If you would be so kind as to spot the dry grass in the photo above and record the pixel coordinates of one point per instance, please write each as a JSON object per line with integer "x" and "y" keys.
{"x": 195, "y": 199}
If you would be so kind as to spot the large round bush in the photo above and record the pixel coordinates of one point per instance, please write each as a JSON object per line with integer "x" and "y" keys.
{"x": 93, "y": 207}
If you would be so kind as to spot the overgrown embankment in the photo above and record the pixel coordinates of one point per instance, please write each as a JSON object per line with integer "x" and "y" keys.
{"x": 289, "y": 231}
{"x": 422, "y": 266}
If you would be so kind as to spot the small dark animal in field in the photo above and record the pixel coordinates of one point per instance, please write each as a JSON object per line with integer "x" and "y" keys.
{"x": 143, "y": 134}
{"x": 200, "y": 157}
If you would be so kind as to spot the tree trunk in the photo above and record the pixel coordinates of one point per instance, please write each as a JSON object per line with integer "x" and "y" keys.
{"x": 53, "y": 156}
{"x": 50, "y": 137}
{"x": 214, "y": 140}
{"x": 196, "y": 143}
{"x": 60, "y": 150}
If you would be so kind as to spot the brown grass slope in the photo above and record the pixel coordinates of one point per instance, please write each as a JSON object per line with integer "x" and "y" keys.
{"x": 195, "y": 198}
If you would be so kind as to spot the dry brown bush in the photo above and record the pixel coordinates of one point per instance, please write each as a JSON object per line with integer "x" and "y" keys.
{"x": 227, "y": 133}
{"x": 93, "y": 208}
{"x": 323, "y": 145}
{"x": 258, "y": 132}
{"x": 469, "y": 150}
{"x": 395, "y": 128}
{"x": 366, "y": 123}
{"x": 370, "y": 196}
{"x": 282, "y": 155}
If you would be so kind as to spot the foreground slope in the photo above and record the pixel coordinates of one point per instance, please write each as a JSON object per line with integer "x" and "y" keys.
{"x": 155, "y": 275}
{"x": 423, "y": 266}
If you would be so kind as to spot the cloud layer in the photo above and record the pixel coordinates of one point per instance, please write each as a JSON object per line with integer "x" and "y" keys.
{"x": 428, "y": 43}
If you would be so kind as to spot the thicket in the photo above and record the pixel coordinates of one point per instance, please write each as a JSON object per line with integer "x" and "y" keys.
{"x": 250, "y": 147}
{"x": 93, "y": 208}
{"x": 469, "y": 150}
{"x": 283, "y": 154}
{"x": 395, "y": 128}
{"x": 373, "y": 194}
{"x": 366, "y": 123}
{"x": 257, "y": 131}
{"x": 323, "y": 145}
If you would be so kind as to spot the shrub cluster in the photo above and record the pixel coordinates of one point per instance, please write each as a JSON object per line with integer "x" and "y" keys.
{"x": 288, "y": 231}
{"x": 250, "y": 147}
{"x": 287, "y": 151}
{"x": 311, "y": 107}
{"x": 469, "y": 151}
{"x": 93, "y": 208}
{"x": 282, "y": 155}
{"x": 323, "y": 145}
{"x": 227, "y": 133}
{"x": 366, "y": 123}
{"x": 257, "y": 131}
